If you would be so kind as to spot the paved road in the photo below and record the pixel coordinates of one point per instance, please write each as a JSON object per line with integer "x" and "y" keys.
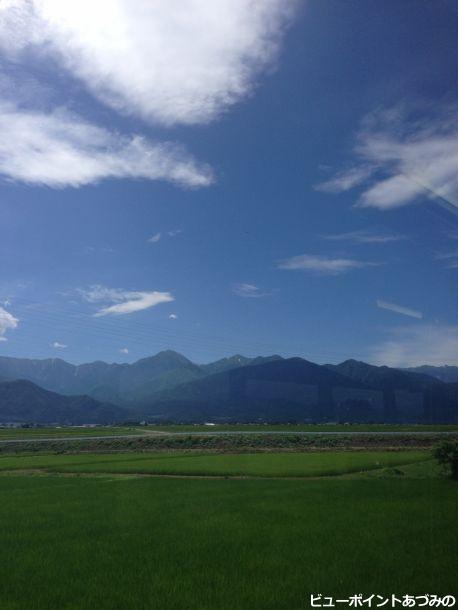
{"x": 224, "y": 433}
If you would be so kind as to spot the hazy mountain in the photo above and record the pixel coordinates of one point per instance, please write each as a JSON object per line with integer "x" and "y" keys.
{"x": 119, "y": 383}
{"x": 448, "y": 374}
{"x": 234, "y": 362}
{"x": 25, "y": 402}
{"x": 124, "y": 384}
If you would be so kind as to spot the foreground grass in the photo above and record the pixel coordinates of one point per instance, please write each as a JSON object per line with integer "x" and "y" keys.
{"x": 169, "y": 544}
{"x": 258, "y": 464}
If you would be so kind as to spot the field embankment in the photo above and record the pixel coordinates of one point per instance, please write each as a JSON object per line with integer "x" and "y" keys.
{"x": 225, "y": 442}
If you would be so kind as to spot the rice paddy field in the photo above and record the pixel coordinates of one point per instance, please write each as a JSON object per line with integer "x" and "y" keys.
{"x": 254, "y": 465}
{"x": 259, "y": 531}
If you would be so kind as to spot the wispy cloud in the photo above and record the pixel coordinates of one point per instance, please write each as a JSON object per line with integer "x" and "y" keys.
{"x": 450, "y": 258}
{"x": 417, "y": 345}
{"x": 365, "y": 237}
{"x": 58, "y": 345}
{"x": 323, "y": 265}
{"x": 7, "y": 322}
{"x": 249, "y": 291}
{"x": 405, "y": 157}
{"x": 88, "y": 250}
{"x": 163, "y": 62}
{"x": 346, "y": 180}
{"x": 442, "y": 256}
{"x": 405, "y": 311}
{"x": 158, "y": 236}
{"x": 59, "y": 149}
{"x": 173, "y": 316}
{"x": 123, "y": 301}
{"x": 123, "y": 350}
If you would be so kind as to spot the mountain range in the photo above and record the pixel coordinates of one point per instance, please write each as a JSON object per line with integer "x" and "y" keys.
{"x": 25, "y": 402}
{"x": 169, "y": 387}
{"x": 448, "y": 374}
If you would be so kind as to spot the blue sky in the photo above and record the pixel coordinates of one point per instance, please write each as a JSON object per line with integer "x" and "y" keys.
{"x": 267, "y": 177}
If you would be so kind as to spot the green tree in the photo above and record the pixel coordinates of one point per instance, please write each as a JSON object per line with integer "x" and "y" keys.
{"x": 447, "y": 454}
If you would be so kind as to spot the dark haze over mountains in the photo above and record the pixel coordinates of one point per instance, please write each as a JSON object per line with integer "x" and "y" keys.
{"x": 169, "y": 387}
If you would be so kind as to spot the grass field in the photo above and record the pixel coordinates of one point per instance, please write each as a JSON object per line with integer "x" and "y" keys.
{"x": 306, "y": 428}
{"x": 186, "y": 544}
{"x": 67, "y": 431}
{"x": 257, "y": 465}
{"x": 76, "y": 431}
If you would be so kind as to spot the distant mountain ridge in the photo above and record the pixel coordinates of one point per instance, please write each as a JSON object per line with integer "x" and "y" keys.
{"x": 446, "y": 373}
{"x": 103, "y": 381}
{"x": 296, "y": 390}
{"x": 22, "y": 401}
{"x": 170, "y": 387}
{"x": 119, "y": 383}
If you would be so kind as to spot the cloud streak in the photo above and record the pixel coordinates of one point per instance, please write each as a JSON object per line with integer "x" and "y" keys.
{"x": 7, "y": 322}
{"x": 450, "y": 258}
{"x": 122, "y": 302}
{"x": 167, "y": 62}
{"x": 405, "y": 311}
{"x": 364, "y": 237}
{"x": 323, "y": 265}
{"x": 60, "y": 149}
{"x": 248, "y": 291}
{"x": 154, "y": 239}
{"x": 405, "y": 158}
{"x": 58, "y": 345}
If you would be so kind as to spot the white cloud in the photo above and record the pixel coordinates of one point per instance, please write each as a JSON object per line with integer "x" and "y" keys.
{"x": 124, "y": 350}
{"x": 416, "y": 345}
{"x": 123, "y": 301}
{"x": 406, "y": 158}
{"x": 174, "y": 232}
{"x": 169, "y": 62}
{"x": 173, "y": 316}
{"x": 322, "y": 264}
{"x": 7, "y": 322}
{"x": 406, "y": 311}
{"x": 60, "y": 149}
{"x": 248, "y": 291}
{"x": 154, "y": 238}
{"x": 364, "y": 237}
{"x": 58, "y": 345}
